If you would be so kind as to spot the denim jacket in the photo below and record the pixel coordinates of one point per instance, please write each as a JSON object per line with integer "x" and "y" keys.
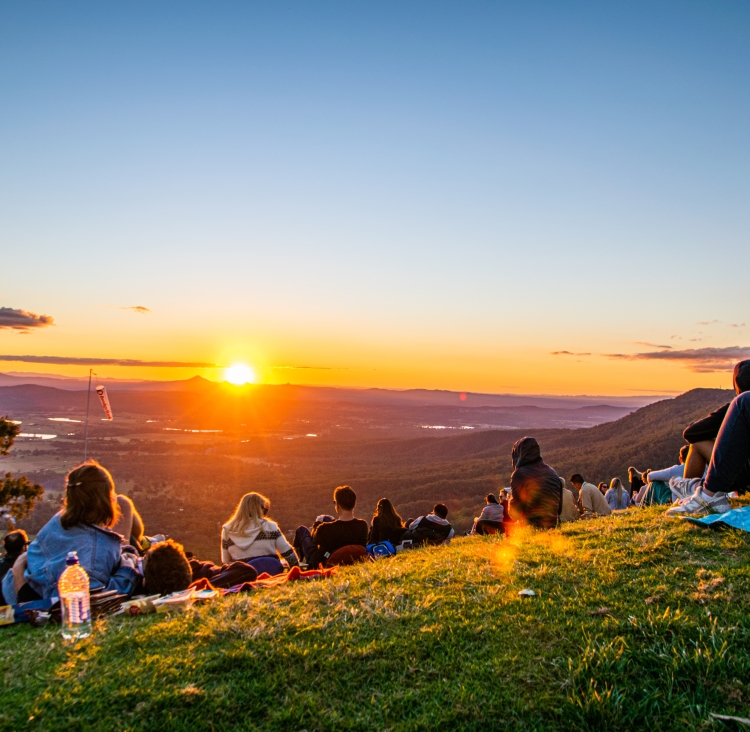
{"x": 98, "y": 553}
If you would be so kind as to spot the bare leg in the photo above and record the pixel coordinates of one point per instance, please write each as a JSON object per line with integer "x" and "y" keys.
{"x": 698, "y": 458}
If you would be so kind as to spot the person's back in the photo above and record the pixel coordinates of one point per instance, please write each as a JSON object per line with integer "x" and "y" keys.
{"x": 387, "y": 525}
{"x": 14, "y": 543}
{"x": 329, "y": 536}
{"x": 250, "y": 534}
{"x": 434, "y": 528}
{"x": 593, "y": 502}
{"x": 129, "y": 524}
{"x": 334, "y": 535}
{"x": 536, "y": 491}
{"x": 569, "y": 510}
{"x": 492, "y": 512}
{"x": 616, "y": 496}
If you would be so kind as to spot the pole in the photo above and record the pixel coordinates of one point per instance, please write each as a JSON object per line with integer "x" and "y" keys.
{"x": 86, "y": 429}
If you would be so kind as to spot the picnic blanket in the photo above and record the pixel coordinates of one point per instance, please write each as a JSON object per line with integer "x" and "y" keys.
{"x": 737, "y": 518}
{"x": 266, "y": 580}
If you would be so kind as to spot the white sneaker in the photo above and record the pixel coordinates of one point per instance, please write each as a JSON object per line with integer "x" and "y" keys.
{"x": 683, "y": 487}
{"x": 700, "y": 504}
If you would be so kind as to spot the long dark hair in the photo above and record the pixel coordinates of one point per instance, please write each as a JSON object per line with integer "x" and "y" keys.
{"x": 387, "y": 515}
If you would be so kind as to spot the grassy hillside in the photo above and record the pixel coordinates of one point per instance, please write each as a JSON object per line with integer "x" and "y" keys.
{"x": 639, "y": 622}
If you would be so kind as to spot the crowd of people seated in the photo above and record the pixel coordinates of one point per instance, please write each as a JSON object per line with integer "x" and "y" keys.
{"x": 107, "y": 532}
{"x": 126, "y": 560}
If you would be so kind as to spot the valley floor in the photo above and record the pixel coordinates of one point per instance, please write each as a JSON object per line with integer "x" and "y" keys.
{"x": 639, "y": 622}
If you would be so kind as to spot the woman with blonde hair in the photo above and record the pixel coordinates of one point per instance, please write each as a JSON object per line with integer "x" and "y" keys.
{"x": 617, "y": 496}
{"x": 249, "y": 535}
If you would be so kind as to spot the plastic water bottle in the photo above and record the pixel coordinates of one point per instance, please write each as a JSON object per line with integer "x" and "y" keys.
{"x": 73, "y": 587}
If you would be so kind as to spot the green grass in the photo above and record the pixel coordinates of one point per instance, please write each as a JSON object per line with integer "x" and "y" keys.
{"x": 640, "y": 622}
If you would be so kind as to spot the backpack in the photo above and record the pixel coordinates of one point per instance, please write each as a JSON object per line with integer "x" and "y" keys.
{"x": 381, "y": 550}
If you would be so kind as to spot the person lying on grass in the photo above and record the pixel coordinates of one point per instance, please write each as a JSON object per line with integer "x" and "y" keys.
{"x": 432, "y": 528}
{"x": 328, "y": 536}
{"x": 82, "y": 526}
{"x": 251, "y": 535}
{"x": 166, "y": 569}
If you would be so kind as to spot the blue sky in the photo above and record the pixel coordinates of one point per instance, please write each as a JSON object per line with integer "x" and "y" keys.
{"x": 436, "y": 194}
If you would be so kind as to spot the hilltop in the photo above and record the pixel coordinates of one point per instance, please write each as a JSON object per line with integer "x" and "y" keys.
{"x": 171, "y": 481}
{"x": 639, "y": 623}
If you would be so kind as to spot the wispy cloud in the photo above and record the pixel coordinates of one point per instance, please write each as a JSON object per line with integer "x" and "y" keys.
{"x": 135, "y": 309}
{"x": 721, "y": 322}
{"x": 700, "y": 360}
{"x": 23, "y": 320}
{"x": 568, "y": 353}
{"x": 650, "y": 345}
{"x": 72, "y": 361}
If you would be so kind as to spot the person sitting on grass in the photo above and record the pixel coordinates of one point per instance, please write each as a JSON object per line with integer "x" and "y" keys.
{"x": 637, "y": 481}
{"x": 432, "y": 528}
{"x": 569, "y": 510}
{"x": 729, "y": 467}
{"x": 603, "y": 488}
{"x": 592, "y": 502}
{"x": 167, "y": 569}
{"x": 14, "y": 543}
{"x": 328, "y": 536}
{"x": 617, "y": 496}
{"x": 676, "y": 471}
{"x": 702, "y": 435}
{"x": 491, "y": 517}
{"x": 665, "y": 475}
{"x": 82, "y": 526}
{"x": 536, "y": 491}
{"x": 130, "y": 523}
{"x": 386, "y": 525}
{"x": 249, "y": 535}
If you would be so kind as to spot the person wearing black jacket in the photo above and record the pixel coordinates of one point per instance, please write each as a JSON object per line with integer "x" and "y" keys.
{"x": 701, "y": 435}
{"x": 433, "y": 528}
{"x": 536, "y": 490}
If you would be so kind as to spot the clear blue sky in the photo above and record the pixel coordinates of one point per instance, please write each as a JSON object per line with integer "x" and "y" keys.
{"x": 409, "y": 194}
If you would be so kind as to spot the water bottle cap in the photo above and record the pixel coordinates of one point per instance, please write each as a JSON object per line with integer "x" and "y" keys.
{"x": 71, "y": 559}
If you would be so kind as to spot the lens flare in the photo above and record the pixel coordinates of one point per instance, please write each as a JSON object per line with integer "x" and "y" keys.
{"x": 239, "y": 374}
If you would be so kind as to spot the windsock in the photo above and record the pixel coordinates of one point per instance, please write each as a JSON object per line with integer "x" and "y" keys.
{"x": 104, "y": 399}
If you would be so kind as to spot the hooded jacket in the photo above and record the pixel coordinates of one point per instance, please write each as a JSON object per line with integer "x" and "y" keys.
{"x": 536, "y": 490}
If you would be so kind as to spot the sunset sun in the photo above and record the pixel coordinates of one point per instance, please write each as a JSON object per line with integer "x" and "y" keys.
{"x": 239, "y": 374}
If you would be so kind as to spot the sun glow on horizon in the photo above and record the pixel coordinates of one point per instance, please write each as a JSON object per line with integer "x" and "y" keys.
{"x": 239, "y": 374}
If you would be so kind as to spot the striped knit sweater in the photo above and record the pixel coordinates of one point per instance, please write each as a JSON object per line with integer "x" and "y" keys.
{"x": 262, "y": 540}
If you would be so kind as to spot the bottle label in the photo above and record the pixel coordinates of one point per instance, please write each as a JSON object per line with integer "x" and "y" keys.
{"x": 77, "y": 608}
